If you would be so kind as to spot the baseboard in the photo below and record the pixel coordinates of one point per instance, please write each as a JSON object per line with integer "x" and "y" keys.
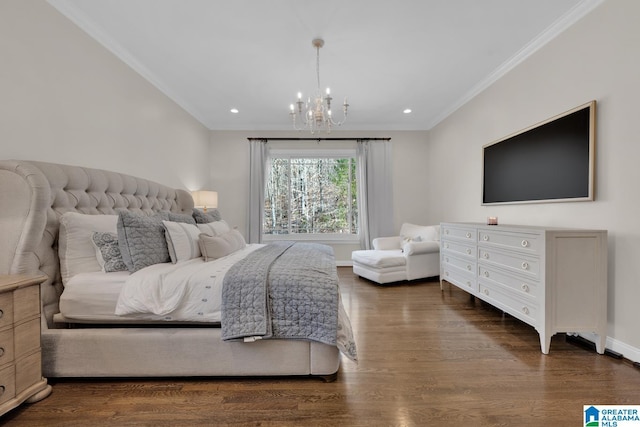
{"x": 344, "y": 263}
{"x": 628, "y": 352}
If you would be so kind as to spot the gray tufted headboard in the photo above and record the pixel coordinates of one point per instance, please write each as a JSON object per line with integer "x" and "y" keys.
{"x": 33, "y": 196}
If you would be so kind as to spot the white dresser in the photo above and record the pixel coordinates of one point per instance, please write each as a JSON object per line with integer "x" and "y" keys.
{"x": 554, "y": 279}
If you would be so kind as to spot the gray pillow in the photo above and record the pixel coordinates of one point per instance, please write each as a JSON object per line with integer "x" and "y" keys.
{"x": 211, "y": 215}
{"x": 178, "y": 217}
{"x": 108, "y": 252}
{"x": 141, "y": 240}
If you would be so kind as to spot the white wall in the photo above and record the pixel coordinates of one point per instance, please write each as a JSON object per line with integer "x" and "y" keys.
{"x": 66, "y": 99}
{"x": 597, "y": 58}
{"x": 410, "y": 186}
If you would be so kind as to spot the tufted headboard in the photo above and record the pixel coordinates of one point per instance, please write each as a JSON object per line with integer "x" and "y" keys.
{"x": 33, "y": 196}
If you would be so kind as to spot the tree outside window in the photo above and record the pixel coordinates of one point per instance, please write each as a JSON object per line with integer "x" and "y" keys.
{"x": 311, "y": 196}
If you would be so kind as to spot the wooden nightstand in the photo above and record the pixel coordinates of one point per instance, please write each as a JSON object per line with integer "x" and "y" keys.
{"x": 20, "y": 359}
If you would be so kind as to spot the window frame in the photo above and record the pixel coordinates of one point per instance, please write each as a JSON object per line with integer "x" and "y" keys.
{"x": 314, "y": 153}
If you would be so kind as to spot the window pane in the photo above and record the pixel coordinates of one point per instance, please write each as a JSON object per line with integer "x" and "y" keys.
{"x": 311, "y": 196}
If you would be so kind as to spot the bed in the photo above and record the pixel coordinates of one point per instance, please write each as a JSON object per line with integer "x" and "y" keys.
{"x": 86, "y": 340}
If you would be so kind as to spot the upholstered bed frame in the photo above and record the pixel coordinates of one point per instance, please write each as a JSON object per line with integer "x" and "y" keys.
{"x": 33, "y": 196}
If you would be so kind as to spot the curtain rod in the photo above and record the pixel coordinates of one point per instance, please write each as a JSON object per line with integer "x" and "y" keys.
{"x": 319, "y": 139}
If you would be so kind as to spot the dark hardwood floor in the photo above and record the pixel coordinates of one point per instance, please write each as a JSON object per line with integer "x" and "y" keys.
{"x": 426, "y": 358}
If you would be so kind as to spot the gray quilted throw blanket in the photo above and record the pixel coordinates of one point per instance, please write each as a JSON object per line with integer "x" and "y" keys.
{"x": 283, "y": 290}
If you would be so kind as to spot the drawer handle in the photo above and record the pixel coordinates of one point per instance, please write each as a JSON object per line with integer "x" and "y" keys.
{"x": 486, "y": 291}
{"x": 525, "y": 265}
{"x": 486, "y": 274}
{"x": 525, "y": 287}
{"x": 2, "y": 389}
{"x": 468, "y": 251}
{"x": 525, "y": 310}
{"x": 446, "y": 245}
{"x": 1, "y": 351}
{"x": 469, "y": 267}
{"x": 485, "y": 238}
{"x": 1, "y": 313}
{"x": 446, "y": 259}
{"x": 468, "y": 235}
{"x": 446, "y": 273}
{"x": 468, "y": 283}
{"x": 446, "y": 231}
{"x": 485, "y": 255}
{"x": 524, "y": 243}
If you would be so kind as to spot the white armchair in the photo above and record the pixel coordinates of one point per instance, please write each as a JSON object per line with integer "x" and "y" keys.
{"x": 414, "y": 254}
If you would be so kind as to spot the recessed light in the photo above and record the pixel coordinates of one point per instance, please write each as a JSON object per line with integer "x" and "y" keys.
{"x": 234, "y": 110}
{"x": 407, "y": 110}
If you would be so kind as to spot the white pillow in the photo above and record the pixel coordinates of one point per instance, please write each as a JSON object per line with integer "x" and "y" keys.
{"x": 214, "y": 247}
{"x": 182, "y": 240}
{"x": 75, "y": 248}
{"x": 216, "y": 228}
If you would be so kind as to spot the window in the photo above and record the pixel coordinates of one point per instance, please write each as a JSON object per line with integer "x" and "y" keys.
{"x": 311, "y": 194}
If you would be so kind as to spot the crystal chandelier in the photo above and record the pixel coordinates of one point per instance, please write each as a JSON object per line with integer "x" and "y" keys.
{"x": 316, "y": 114}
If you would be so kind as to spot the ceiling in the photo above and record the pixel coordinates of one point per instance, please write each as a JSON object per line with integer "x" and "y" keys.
{"x": 431, "y": 56}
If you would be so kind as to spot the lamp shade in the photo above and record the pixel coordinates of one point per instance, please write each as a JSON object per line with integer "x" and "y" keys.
{"x": 205, "y": 199}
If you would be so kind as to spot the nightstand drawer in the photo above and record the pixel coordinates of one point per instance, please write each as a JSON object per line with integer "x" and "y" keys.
{"x": 6, "y": 347}
{"x": 6, "y": 309}
{"x": 28, "y": 371}
{"x": 26, "y": 303}
{"x": 7, "y": 384}
{"x": 27, "y": 337}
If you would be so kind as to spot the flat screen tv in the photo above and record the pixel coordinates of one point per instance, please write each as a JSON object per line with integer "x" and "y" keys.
{"x": 552, "y": 161}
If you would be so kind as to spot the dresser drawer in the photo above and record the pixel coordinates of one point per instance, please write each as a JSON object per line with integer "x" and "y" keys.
{"x": 508, "y": 302}
{"x": 523, "y": 287}
{"x": 461, "y": 233}
{"x": 466, "y": 265}
{"x": 27, "y": 337}
{"x": 515, "y": 262}
{"x": 459, "y": 248}
{"x": 7, "y": 384}
{"x": 6, "y": 309}
{"x": 6, "y": 347}
{"x": 461, "y": 279}
{"x": 511, "y": 241}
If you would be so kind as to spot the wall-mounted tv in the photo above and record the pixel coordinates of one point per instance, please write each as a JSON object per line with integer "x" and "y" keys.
{"x": 552, "y": 161}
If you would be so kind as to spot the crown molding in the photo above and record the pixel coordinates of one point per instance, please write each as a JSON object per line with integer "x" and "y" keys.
{"x": 561, "y": 24}
{"x": 91, "y": 28}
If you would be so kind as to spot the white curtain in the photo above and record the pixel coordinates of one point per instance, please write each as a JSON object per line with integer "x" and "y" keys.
{"x": 258, "y": 169}
{"x": 375, "y": 202}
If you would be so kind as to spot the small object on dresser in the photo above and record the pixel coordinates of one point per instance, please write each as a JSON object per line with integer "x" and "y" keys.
{"x": 492, "y": 220}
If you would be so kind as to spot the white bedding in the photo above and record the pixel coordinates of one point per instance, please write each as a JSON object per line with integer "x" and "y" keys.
{"x": 92, "y": 296}
{"x": 120, "y": 296}
{"x": 186, "y": 291}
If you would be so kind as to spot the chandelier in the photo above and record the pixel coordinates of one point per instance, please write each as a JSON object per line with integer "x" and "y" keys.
{"x": 315, "y": 114}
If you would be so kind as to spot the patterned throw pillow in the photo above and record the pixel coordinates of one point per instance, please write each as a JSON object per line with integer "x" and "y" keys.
{"x": 108, "y": 252}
